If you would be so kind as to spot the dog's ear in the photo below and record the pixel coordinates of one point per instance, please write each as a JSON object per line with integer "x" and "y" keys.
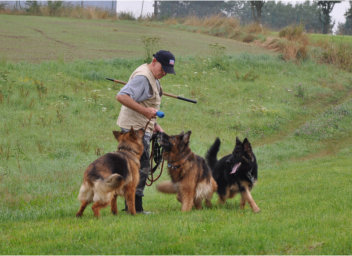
{"x": 238, "y": 142}
{"x": 186, "y": 137}
{"x": 133, "y": 133}
{"x": 140, "y": 133}
{"x": 117, "y": 134}
{"x": 248, "y": 148}
{"x": 247, "y": 145}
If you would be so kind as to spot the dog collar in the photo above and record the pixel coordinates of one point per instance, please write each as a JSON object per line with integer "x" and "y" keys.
{"x": 127, "y": 149}
{"x": 173, "y": 167}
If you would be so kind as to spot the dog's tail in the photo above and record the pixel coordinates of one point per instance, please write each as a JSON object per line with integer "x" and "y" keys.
{"x": 212, "y": 153}
{"x": 167, "y": 187}
{"x": 113, "y": 181}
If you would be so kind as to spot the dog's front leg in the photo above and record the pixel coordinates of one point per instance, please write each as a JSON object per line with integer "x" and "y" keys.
{"x": 246, "y": 196}
{"x": 187, "y": 200}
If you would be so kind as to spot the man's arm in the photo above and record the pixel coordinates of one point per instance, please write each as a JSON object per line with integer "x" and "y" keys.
{"x": 127, "y": 101}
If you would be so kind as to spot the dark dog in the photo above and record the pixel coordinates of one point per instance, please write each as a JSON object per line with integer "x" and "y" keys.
{"x": 113, "y": 174}
{"x": 190, "y": 176}
{"x": 235, "y": 173}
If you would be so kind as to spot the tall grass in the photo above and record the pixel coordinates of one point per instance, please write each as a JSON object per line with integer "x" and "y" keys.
{"x": 293, "y": 43}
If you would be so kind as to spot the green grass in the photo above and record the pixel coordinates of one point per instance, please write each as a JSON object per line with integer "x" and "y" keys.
{"x": 329, "y": 38}
{"x": 58, "y": 116}
{"x": 37, "y": 39}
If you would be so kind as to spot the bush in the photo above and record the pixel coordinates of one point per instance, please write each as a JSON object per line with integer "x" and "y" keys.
{"x": 126, "y": 16}
{"x": 151, "y": 45}
{"x": 339, "y": 54}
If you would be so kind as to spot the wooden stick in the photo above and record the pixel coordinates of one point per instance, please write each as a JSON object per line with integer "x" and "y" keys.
{"x": 164, "y": 93}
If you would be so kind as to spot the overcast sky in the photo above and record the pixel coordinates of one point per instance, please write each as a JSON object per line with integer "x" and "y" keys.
{"x": 136, "y": 7}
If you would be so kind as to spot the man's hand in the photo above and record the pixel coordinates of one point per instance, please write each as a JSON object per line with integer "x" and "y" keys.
{"x": 157, "y": 128}
{"x": 149, "y": 112}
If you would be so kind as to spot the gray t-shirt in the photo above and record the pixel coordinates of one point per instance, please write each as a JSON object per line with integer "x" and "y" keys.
{"x": 138, "y": 88}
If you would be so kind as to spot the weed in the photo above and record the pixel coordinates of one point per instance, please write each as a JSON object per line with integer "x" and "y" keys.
{"x": 151, "y": 45}
{"x": 84, "y": 146}
{"x": 300, "y": 91}
{"x": 218, "y": 59}
{"x": 41, "y": 89}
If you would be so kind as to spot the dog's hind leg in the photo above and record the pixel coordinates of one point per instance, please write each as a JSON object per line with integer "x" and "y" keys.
{"x": 198, "y": 203}
{"x": 114, "y": 204}
{"x": 81, "y": 209}
{"x": 85, "y": 196}
{"x": 246, "y": 196}
{"x": 130, "y": 197}
{"x": 97, "y": 206}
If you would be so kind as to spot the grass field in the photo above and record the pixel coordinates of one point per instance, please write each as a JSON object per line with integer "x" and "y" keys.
{"x": 58, "y": 115}
{"x": 37, "y": 39}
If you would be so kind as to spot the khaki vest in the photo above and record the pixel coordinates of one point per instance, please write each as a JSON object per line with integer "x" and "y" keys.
{"x": 129, "y": 117}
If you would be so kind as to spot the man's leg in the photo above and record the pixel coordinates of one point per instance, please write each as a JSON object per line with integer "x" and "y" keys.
{"x": 143, "y": 172}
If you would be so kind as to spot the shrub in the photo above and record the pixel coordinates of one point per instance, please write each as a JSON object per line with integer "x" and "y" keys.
{"x": 249, "y": 38}
{"x": 254, "y": 28}
{"x": 339, "y": 54}
{"x": 151, "y": 44}
{"x": 126, "y": 16}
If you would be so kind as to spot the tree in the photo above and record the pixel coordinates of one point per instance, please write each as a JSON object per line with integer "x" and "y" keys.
{"x": 155, "y": 5}
{"x": 33, "y": 7}
{"x": 240, "y": 10}
{"x": 168, "y": 9}
{"x": 326, "y": 8}
{"x": 256, "y": 7}
{"x": 278, "y": 15}
{"x": 346, "y": 28}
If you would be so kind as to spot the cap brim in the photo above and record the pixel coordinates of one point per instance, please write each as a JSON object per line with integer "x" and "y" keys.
{"x": 169, "y": 70}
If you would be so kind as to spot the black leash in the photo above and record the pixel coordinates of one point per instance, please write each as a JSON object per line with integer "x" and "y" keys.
{"x": 156, "y": 155}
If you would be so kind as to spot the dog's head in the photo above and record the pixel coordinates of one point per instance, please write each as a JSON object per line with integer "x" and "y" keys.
{"x": 133, "y": 140}
{"x": 242, "y": 157}
{"x": 175, "y": 143}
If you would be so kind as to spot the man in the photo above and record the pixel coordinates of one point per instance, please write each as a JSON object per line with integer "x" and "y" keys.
{"x": 140, "y": 99}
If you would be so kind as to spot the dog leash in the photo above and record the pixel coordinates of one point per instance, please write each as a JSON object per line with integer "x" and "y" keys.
{"x": 156, "y": 155}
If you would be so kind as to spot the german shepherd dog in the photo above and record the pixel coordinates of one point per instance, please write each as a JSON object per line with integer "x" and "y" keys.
{"x": 191, "y": 177}
{"x": 113, "y": 174}
{"x": 236, "y": 172}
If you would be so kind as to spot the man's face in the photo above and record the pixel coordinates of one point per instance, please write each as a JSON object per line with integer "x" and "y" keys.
{"x": 158, "y": 71}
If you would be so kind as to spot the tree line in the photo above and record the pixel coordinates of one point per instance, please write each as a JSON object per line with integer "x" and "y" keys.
{"x": 314, "y": 16}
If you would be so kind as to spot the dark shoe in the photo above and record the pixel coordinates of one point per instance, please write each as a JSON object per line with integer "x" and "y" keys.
{"x": 126, "y": 208}
{"x": 139, "y": 204}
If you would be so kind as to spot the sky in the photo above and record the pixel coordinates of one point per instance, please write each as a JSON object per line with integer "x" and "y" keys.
{"x": 136, "y": 7}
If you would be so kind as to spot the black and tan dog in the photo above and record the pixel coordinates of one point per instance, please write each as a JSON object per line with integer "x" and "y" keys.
{"x": 190, "y": 176}
{"x": 236, "y": 172}
{"x": 113, "y": 174}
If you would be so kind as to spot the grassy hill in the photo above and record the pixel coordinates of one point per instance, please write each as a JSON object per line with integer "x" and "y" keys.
{"x": 37, "y": 39}
{"x": 56, "y": 116}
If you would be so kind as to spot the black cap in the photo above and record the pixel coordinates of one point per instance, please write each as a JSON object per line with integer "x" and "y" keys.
{"x": 167, "y": 61}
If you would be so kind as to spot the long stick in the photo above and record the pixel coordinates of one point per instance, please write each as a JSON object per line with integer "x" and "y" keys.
{"x": 164, "y": 93}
